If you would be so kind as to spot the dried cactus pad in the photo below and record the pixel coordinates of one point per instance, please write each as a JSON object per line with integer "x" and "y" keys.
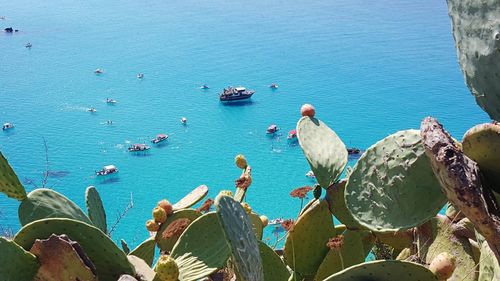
{"x": 481, "y": 143}
{"x": 45, "y": 203}
{"x": 9, "y": 183}
{"x": 392, "y": 187}
{"x": 95, "y": 209}
{"x": 16, "y": 264}
{"x": 476, "y": 29}
{"x": 384, "y": 270}
{"x": 192, "y": 198}
{"x": 324, "y": 150}
{"x": 201, "y": 249}
{"x": 108, "y": 259}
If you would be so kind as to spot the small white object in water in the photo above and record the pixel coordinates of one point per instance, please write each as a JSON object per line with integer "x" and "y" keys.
{"x": 310, "y": 174}
{"x": 184, "y": 120}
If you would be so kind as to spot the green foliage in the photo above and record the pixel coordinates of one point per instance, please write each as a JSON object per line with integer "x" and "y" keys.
{"x": 145, "y": 251}
{"x": 9, "y": 183}
{"x": 95, "y": 209}
{"x": 16, "y": 264}
{"x": 274, "y": 268}
{"x": 489, "y": 268}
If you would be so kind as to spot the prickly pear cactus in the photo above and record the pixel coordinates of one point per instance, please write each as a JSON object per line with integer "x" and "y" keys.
{"x": 241, "y": 238}
{"x": 45, "y": 203}
{"x": 95, "y": 209}
{"x": 489, "y": 269}
{"x": 108, "y": 259}
{"x": 336, "y": 202}
{"x": 257, "y": 226}
{"x": 201, "y": 249}
{"x": 476, "y": 29}
{"x": 192, "y": 198}
{"x": 125, "y": 247}
{"x": 274, "y": 268}
{"x": 305, "y": 245}
{"x": 9, "y": 183}
{"x": 481, "y": 143}
{"x": 384, "y": 270}
{"x": 142, "y": 270}
{"x": 165, "y": 237}
{"x": 324, "y": 150}
{"x": 145, "y": 251}
{"x": 392, "y": 186}
{"x": 16, "y": 264}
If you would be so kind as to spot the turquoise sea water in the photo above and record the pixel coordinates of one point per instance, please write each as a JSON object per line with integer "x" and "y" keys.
{"x": 370, "y": 67}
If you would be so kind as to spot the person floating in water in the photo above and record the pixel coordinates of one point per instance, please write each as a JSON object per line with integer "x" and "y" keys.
{"x": 28, "y": 45}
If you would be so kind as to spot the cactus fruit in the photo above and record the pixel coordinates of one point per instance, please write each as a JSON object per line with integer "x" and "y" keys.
{"x": 481, "y": 143}
{"x": 16, "y": 264}
{"x": 240, "y": 238}
{"x": 166, "y": 269}
{"x": 168, "y": 234}
{"x": 307, "y": 110}
{"x": 152, "y": 226}
{"x": 325, "y": 152}
{"x": 246, "y": 207}
{"x": 109, "y": 260}
{"x": 201, "y": 249}
{"x": 476, "y": 29}
{"x": 166, "y": 206}
{"x": 241, "y": 161}
{"x": 305, "y": 245}
{"x": 145, "y": 251}
{"x": 159, "y": 215}
{"x": 95, "y": 209}
{"x": 384, "y": 270}
{"x": 443, "y": 266}
{"x": 193, "y": 197}
{"x": 317, "y": 191}
{"x": 392, "y": 186}
{"x": 274, "y": 268}
{"x": 264, "y": 220}
{"x": 9, "y": 182}
{"x": 46, "y": 203}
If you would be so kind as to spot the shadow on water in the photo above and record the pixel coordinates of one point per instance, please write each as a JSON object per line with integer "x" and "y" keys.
{"x": 140, "y": 154}
{"x": 161, "y": 144}
{"x": 58, "y": 174}
{"x": 109, "y": 180}
{"x": 238, "y": 103}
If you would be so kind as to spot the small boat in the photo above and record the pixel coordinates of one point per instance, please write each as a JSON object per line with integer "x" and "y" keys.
{"x": 272, "y": 129}
{"x": 159, "y": 138}
{"x": 204, "y": 87}
{"x": 28, "y": 45}
{"x": 310, "y": 175}
{"x": 235, "y": 94}
{"x": 7, "y": 126}
{"x": 292, "y": 135}
{"x": 98, "y": 71}
{"x": 184, "y": 120}
{"x": 92, "y": 110}
{"x": 109, "y": 122}
{"x": 140, "y": 75}
{"x": 107, "y": 170}
{"x": 110, "y": 101}
{"x": 353, "y": 150}
{"x": 138, "y": 147}
{"x": 273, "y": 86}
{"x": 276, "y": 221}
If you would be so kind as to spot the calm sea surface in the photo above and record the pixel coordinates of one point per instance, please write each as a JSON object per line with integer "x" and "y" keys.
{"x": 371, "y": 68}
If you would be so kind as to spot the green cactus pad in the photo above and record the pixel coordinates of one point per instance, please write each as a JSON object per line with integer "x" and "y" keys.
{"x": 256, "y": 225}
{"x": 476, "y": 29}
{"x": 481, "y": 143}
{"x": 192, "y": 198}
{"x": 62, "y": 259}
{"x": 489, "y": 268}
{"x": 95, "y": 209}
{"x": 274, "y": 268}
{"x": 143, "y": 271}
{"x": 384, "y": 270}
{"x": 305, "y": 245}
{"x": 45, "y": 203}
{"x": 392, "y": 186}
{"x": 16, "y": 264}
{"x": 9, "y": 183}
{"x": 336, "y": 201}
{"x": 351, "y": 253}
{"x": 108, "y": 259}
{"x": 125, "y": 247}
{"x": 240, "y": 237}
{"x": 145, "y": 251}
{"x": 325, "y": 152}
{"x": 166, "y": 244}
{"x": 201, "y": 249}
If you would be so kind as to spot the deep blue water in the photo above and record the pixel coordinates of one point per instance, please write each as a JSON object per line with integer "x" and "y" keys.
{"x": 370, "y": 67}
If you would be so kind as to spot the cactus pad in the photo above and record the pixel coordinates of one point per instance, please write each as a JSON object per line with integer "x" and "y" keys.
{"x": 257, "y": 226}
{"x": 45, "y": 203}
{"x": 274, "y": 268}
{"x": 201, "y": 249}
{"x": 241, "y": 238}
{"x": 476, "y": 29}
{"x": 325, "y": 152}
{"x": 481, "y": 143}
{"x": 62, "y": 259}
{"x": 95, "y": 209}
{"x": 392, "y": 186}
{"x": 142, "y": 270}
{"x": 145, "y": 251}
{"x": 9, "y": 182}
{"x": 305, "y": 245}
{"x": 384, "y": 270}
{"x": 167, "y": 243}
{"x": 16, "y": 264}
{"x": 489, "y": 268}
{"x": 336, "y": 202}
{"x": 192, "y": 198}
{"x": 108, "y": 259}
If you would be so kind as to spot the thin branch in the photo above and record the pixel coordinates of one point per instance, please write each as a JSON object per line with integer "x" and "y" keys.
{"x": 46, "y": 172}
{"x": 121, "y": 215}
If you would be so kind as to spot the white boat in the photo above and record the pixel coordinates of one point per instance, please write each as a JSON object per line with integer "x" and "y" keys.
{"x": 273, "y": 86}
{"x": 28, "y": 45}
{"x": 204, "y": 86}
{"x": 107, "y": 170}
{"x": 111, "y": 101}
{"x": 159, "y": 138}
{"x": 92, "y": 110}
{"x": 184, "y": 120}
{"x": 99, "y": 71}
{"x": 7, "y": 126}
{"x": 310, "y": 174}
{"x": 138, "y": 147}
{"x": 140, "y": 75}
{"x": 276, "y": 221}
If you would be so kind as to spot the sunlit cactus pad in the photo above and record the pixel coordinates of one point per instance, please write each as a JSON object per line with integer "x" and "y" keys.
{"x": 392, "y": 187}
{"x": 191, "y": 198}
{"x": 9, "y": 182}
{"x": 16, "y": 264}
{"x": 95, "y": 209}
